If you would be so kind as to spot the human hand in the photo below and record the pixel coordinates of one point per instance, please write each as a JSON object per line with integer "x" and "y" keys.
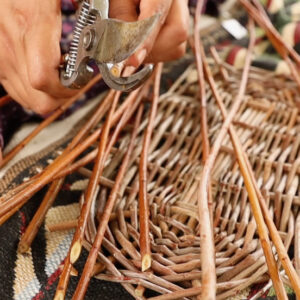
{"x": 30, "y": 33}
{"x": 168, "y": 41}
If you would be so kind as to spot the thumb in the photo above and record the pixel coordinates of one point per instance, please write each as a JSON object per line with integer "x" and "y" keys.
{"x": 125, "y": 10}
{"x": 148, "y": 8}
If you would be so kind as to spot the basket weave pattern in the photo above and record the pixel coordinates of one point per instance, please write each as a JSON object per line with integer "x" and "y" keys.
{"x": 267, "y": 124}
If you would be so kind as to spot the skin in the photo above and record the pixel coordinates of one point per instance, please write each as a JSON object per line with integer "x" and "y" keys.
{"x": 30, "y": 54}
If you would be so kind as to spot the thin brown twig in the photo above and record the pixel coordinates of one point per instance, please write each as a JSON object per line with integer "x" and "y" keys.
{"x": 66, "y": 225}
{"x": 202, "y": 96}
{"x": 10, "y": 203}
{"x": 218, "y": 61}
{"x": 277, "y": 241}
{"x": 207, "y": 243}
{"x": 112, "y": 140}
{"x": 37, "y": 220}
{"x": 201, "y": 82}
{"x": 129, "y": 109}
{"x": 203, "y": 107}
{"x": 143, "y": 200}
{"x": 262, "y": 230}
{"x": 88, "y": 268}
{"x": 76, "y": 245}
{"x": 33, "y": 227}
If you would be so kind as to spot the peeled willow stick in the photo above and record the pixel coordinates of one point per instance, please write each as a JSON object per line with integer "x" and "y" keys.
{"x": 132, "y": 102}
{"x": 145, "y": 247}
{"x": 202, "y": 95}
{"x": 76, "y": 245}
{"x": 48, "y": 121}
{"x": 261, "y": 226}
{"x": 33, "y": 227}
{"x": 93, "y": 254}
{"x": 277, "y": 241}
{"x": 218, "y": 61}
{"x": 201, "y": 81}
{"x": 207, "y": 241}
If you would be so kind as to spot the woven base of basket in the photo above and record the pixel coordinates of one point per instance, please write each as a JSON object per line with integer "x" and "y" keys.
{"x": 268, "y": 126}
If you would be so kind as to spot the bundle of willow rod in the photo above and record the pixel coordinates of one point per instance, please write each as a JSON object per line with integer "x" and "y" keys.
{"x": 179, "y": 193}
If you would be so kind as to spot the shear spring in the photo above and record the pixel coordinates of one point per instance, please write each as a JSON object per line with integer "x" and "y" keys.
{"x": 84, "y": 19}
{"x": 104, "y": 41}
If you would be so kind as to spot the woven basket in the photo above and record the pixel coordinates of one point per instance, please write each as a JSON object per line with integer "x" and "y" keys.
{"x": 268, "y": 126}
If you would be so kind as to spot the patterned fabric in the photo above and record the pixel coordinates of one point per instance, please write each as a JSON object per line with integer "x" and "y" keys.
{"x": 34, "y": 276}
{"x": 285, "y": 15}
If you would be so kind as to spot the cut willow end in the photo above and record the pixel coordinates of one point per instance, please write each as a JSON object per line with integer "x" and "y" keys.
{"x": 139, "y": 291}
{"x": 146, "y": 262}
{"x": 75, "y": 252}
{"x": 59, "y": 296}
{"x": 74, "y": 272}
{"x": 23, "y": 248}
{"x": 116, "y": 69}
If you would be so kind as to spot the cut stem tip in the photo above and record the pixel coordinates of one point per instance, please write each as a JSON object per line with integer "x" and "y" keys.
{"x": 146, "y": 262}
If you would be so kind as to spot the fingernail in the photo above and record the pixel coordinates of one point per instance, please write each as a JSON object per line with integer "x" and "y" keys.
{"x": 141, "y": 55}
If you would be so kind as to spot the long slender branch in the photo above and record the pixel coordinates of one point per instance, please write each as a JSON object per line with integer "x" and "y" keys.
{"x": 143, "y": 200}
{"x": 76, "y": 245}
{"x": 8, "y": 204}
{"x": 263, "y": 233}
{"x": 36, "y": 222}
{"x": 207, "y": 244}
{"x": 88, "y": 268}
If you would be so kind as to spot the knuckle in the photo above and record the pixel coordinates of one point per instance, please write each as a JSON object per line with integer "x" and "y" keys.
{"x": 180, "y": 51}
{"x": 42, "y": 104}
{"x": 181, "y": 34}
{"x": 43, "y": 108}
{"x": 38, "y": 79}
{"x": 21, "y": 19}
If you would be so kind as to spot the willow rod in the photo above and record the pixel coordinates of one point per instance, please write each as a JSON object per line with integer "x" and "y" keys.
{"x": 143, "y": 199}
{"x": 93, "y": 254}
{"x": 37, "y": 220}
{"x": 76, "y": 245}
{"x": 202, "y": 96}
{"x": 207, "y": 241}
{"x": 6, "y": 205}
{"x": 262, "y": 230}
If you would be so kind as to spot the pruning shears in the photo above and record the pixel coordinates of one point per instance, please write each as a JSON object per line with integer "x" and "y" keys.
{"x": 105, "y": 41}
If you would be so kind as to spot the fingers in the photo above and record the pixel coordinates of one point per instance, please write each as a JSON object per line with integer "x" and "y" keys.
{"x": 125, "y": 10}
{"x": 171, "y": 41}
{"x": 148, "y": 8}
{"x": 42, "y": 67}
{"x": 18, "y": 87}
{"x": 168, "y": 41}
{"x": 30, "y": 54}
{"x": 43, "y": 61}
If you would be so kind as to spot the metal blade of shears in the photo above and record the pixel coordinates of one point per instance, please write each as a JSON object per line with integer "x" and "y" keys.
{"x": 120, "y": 40}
